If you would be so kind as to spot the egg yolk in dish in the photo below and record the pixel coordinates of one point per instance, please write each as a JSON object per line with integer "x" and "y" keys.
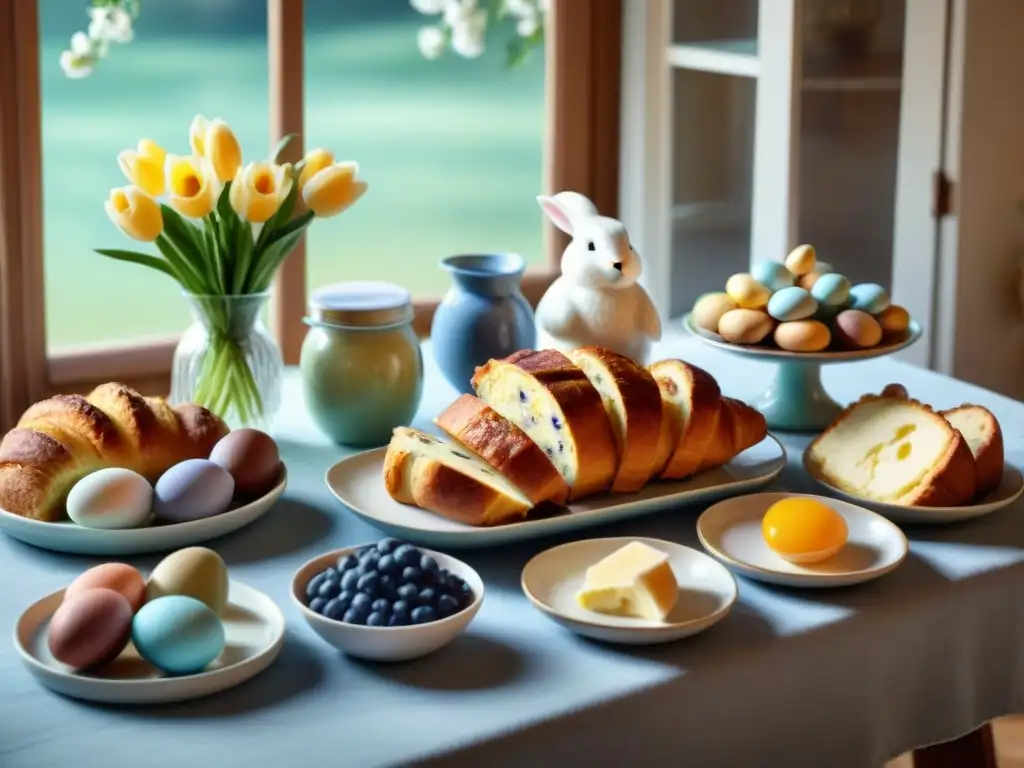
{"x": 803, "y": 530}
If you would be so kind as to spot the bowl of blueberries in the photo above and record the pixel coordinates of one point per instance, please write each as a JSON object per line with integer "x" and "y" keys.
{"x": 388, "y": 601}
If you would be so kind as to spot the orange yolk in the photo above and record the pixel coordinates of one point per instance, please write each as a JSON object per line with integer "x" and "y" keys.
{"x": 803, "y": 530}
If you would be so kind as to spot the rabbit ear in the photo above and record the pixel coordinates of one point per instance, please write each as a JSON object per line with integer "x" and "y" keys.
{"x": 556, "y": 212}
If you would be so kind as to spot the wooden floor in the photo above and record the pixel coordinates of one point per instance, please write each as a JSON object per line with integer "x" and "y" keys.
{"x": 1009, "y": 738}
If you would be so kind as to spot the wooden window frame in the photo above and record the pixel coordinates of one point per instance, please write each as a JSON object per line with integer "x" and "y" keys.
{"x": 583, "y": 49}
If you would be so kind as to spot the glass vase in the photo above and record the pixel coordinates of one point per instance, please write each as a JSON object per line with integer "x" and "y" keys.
{"x": 228, "y": 362}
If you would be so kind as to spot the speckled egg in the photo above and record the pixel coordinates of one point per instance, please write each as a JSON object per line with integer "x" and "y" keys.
{"x": 832, "y": 289}
{"x": 894, "y": 320}
{"x": 178, "y": 635}
{"x": 709, "y": 310}
{"x": 869, "y": 297}
{"x": 111, "y": 498}
{"x": 119, "y": 577}
{"x": 90, "y": 629}
{"x": 745, "y": 326}
{"x": 856, "y": 329}
{"x": 791, "y": 304}
{"x": 801, "y": 260}
{"x": 747, "y": 292}
{"x": 195, "y": 572}
{"x": 192, "y": 490}
{"x": 803, "y": 336}
{"x": 772, "y": 274}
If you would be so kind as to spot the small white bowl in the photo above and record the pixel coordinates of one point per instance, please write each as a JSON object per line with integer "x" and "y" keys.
{"x": 388, "y": 643}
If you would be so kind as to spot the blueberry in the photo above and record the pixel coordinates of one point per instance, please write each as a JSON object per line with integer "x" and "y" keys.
{"x": 354, "y": 617}
{"x": 380, "y": 605}
{"x": 369, "y": 583}
{"x": 412, "y": 575}
{"x": 332, "y": 574}
{"x": 369, "y": 563}
{"x": 423, "y": 615}
{"x": 335, "y": 609}
{"x": 345, "y": 598}
{"x": 388, "y": 545}
{"x": 407, "y": 555}
{"x": 447, "y": 605}
{"x": 388, "y": 586}
{"x": 317, "y": 604}
{"x": 365, "y": 550}
{"x": 429, "y": 564}
{"x": 329, "y": 590}
{"x": 361, "y": 602}
{"x": 555, "y": 422}
{"x": 522, "y": 396}
{"x": 427, "y": 597}
{"x": 400, "y": 608}
{"x": 350, "y": 579}
{"x": 395, "y": 620}
{"x": 408, "y": 592}
{"x": 387, "y": 564}
{"x": 313, "y": 588}
{"x": 347, "y": 562}
{"x": 377, "y": 620}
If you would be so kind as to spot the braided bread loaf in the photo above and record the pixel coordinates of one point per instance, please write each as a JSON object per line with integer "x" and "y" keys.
{"x": 60, "y": 440}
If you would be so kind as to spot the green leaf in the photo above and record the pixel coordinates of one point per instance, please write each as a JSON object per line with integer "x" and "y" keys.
{"x": 281, "y": 146}
{"x": 272, "y": 259}
{"x": 298, "y": 223}
{"x": 188, "y": 240}
{"x": 139, "y": 258}
{"x": 187, "y": 276}
{"x": 243, "y": 257}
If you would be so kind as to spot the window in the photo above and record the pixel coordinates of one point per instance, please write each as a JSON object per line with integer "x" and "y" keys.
{"x": 454, "y": 150}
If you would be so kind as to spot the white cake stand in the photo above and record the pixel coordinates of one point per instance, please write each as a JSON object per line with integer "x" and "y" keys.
{"x": 796, "y": 400}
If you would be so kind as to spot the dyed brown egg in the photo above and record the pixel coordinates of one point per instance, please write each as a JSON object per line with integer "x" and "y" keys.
{"x": 120, "y": 577}
{"x": 90, "y": 629}
{"x": 251, "y": 458}
{"x": 803, "y": 336}
{"x": 894, "y": 320}
{"x": 857, "y": 330}
{"x": 745, "y": 326}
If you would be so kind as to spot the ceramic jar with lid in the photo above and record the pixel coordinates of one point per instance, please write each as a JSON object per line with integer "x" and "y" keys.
{"x": 362, "y": 368}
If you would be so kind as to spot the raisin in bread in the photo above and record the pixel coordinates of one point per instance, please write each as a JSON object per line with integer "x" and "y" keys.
{"x": 894, "y": 450}
{"x": 984, "y": 437}
{"x": 633, "y": 403}
{"x": 553, "y": 402}
{"x": 503, "y": 445}
{"x": 449, "y": 480}
{"x": 691, "y": 400}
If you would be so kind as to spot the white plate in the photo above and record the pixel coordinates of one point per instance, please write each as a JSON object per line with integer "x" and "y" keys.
{"x": 254, "y": 634}
{"x": 358, "y": 483}
{"x": 731, "y": 531}
{"x": 1009, "y": 490}
{"x": 66, "y": 536}
{"x": 707, "y": 592}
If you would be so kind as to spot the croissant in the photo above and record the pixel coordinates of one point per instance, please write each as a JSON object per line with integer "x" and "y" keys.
{"x": 60, "y": 440}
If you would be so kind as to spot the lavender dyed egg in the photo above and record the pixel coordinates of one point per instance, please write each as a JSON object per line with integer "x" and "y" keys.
{"x": 192, "y": 490}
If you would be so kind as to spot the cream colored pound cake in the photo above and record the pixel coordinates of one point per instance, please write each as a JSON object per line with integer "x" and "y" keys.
{"x": 633, "y": 403}
{"x": 897, "y": 451}
{"x": 449, "y": 480}
{"x": 984, "y": 437}
{"x": 552, "y": 400}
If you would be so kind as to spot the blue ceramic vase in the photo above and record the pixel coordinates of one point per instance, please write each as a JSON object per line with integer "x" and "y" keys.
{"x": 484, "y": 315}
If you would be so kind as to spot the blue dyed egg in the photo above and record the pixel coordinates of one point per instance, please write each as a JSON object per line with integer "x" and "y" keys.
{"x": 792, "y": 303}
{"x": 178, "y": 635}
{"x": 773, "y": 275}
{"x": 192, "y": 490}
{"x": 831, "y": 288}
{"x": 869, "y": 297}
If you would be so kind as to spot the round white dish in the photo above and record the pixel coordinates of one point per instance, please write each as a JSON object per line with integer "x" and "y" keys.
{"x": 66, "y": 536}
{"x": 731, "y": 532}
{"x": 707, "y": 592}
{"x": 357, "y": 483}
{"x": 254, "y": 634}
{"x": 1010, "y": 489}
{"x": 388, "y": 643}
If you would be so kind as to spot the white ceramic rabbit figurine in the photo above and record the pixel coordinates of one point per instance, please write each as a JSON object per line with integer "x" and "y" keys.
{"x": 597, "y": 300}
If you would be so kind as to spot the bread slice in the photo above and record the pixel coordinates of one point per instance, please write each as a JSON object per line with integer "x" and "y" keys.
{"x": 633, "y": 404}
{"x": 984, "y": 437}
{"x": 739, "y": 427}
{"x": 690, "y": 398}
{"x": 553, "y": 402}
{"x": 503, "y": 445}
{"x": 428, "y": 472}
{"x": 897, "y": 451}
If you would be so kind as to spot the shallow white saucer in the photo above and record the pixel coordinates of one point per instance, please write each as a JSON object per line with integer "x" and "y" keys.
{"x": 731, "y": 531}
{"x": 254, "y": 634}
{"x": 707, "y": 592}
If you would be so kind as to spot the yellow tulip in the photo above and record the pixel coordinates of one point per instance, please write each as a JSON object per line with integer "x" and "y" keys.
{"x": 333, "y": 189}
{"x": 144, "y": 167}
{"x": 259, "y": 189}
{"x": 315, "y": 162}
{"x": 197, "y": 135}
{"x": 191, "y": 186}
{"x": 222, "y": 150}
{"x": 135, "y": 213}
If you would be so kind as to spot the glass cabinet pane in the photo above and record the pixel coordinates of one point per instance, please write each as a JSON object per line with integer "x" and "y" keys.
{"x": 729, "y": 25}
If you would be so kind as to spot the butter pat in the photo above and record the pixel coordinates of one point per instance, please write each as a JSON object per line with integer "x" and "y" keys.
{"x": 635, "y": 580}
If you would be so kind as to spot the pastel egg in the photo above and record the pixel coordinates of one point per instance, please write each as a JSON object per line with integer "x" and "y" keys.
{"x": 110, "y": 498}
{"x": 709, "y": 310}
{"x": 747, "y": 292}
{"x": 807, "y": 281}
{"x": 869, "y": 297}
{"x": 857, "y": 329}
{"x": 823, "y": 267}
{"x": 745, "y": 326}
{"x": 192, "y": 490}
{"x": 801, "y": 260}
{"x": 178, "y": 635}
{"x": 195, "y": 572}
{"x": 119, "y": 577}
{"x": 90, "y": 629}
{"x": 803, "y": 336}
{"x": 251, "y": 458}
{"x": 832, "y": 289}
{"x": 894, "y": 320}
{"x": 792, "y": 304}
{"x": 772, "y": 274}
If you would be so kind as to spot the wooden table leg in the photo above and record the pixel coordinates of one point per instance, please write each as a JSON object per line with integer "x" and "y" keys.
{"x": 975, "y": 750}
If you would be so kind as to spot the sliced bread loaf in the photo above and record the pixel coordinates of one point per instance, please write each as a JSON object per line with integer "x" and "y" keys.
{"x": 984, "y": 437}
{"x": 690, "y": 398}
{"x": 633, "y": 403}
{"x": 449, "y": 480}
